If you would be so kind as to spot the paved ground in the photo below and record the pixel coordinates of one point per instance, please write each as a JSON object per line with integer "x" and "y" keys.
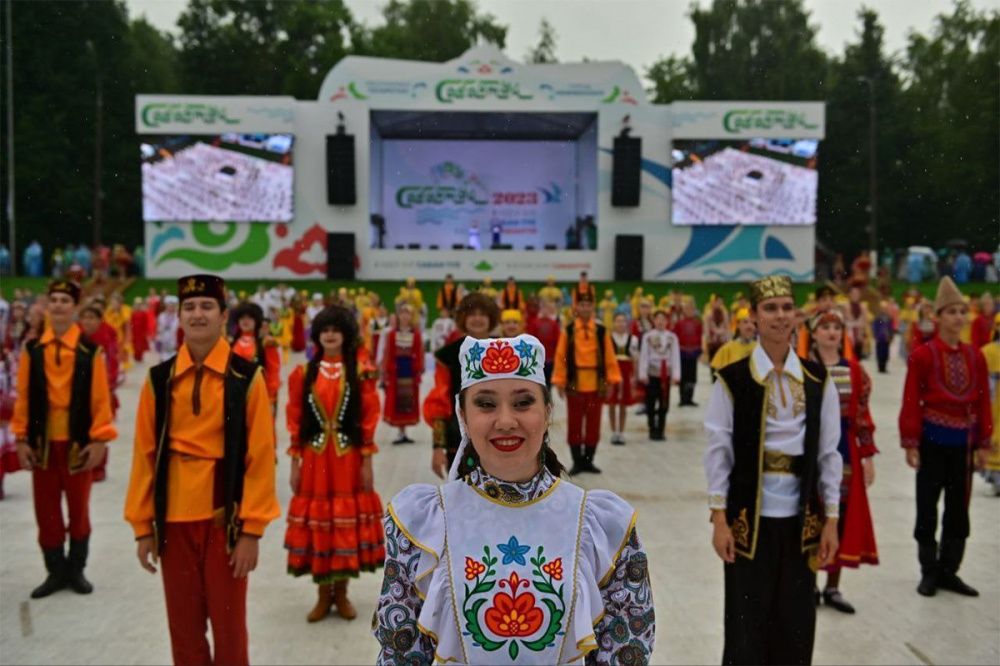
{"x": 124, "y": 621}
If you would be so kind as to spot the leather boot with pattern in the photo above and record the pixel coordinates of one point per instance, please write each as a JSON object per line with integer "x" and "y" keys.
{"x": 323, "y": 604}
{"x": 345, "y": 608}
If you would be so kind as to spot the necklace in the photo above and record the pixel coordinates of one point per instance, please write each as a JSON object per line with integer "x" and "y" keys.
{"x": 330, "y": 369}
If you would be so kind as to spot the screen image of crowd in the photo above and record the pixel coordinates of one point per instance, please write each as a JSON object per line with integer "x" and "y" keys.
{"x": 234, "y": 178}
{"x": 748, "y": 182}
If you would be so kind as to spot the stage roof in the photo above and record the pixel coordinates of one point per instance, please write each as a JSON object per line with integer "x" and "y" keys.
{"x": 481, "y": 125}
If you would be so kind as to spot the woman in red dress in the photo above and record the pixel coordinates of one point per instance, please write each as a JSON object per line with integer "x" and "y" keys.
{"x": 92, "y": 323}
{"x": 334, "y": 520}
{"x": 401, "y": 359}
{"x": 857, "y": 535}
{"x": 622, "y": 395}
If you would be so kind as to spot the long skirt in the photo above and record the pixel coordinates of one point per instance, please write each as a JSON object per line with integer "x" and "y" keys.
{"x": 624, "y": 393}
{"x": 334, "y": 528}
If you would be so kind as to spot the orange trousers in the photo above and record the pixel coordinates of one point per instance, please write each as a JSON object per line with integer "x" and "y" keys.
{"x": 199, "y": 587}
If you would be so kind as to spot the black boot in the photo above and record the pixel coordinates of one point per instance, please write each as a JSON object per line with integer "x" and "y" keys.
{"x": 834, "y": 599}
{"x": 952, "y": 551}
{"x": 587, "y": 460}
{"x": 576, "y": 452}
{"x": 56, "y": 565}
{"x": 927, "y": 554}
{"x": 77, "y": 562}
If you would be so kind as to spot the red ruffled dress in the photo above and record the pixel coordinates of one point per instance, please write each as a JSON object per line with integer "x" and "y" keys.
{"x": 334, "y": 527}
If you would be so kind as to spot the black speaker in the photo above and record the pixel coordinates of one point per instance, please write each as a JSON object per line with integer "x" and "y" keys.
{"x": 340, "y": 256}
{"x": 626, "y": 170}
{"x": 340, "y": 179}
{"x": 628, "y": 258}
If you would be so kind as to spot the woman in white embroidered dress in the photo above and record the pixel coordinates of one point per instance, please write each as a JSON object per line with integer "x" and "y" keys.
{"x": 507, "y": 563}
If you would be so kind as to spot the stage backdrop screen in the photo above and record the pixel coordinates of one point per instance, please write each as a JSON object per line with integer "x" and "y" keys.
{"x": 222, "y": 178}
{"x": 756, "y": 181}
{"x": 478, "y": 193}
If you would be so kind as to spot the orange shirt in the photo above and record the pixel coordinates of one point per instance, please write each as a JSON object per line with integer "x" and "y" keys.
{"x": 196, "y": 442}
{"x": 246, "y": 346}
{"x": 60, "y": 357}
{"x": 585, "y": 355}
{"x": 328, "y": 390}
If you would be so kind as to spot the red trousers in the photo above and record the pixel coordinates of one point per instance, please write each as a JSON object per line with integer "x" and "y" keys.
{"x": 584, "y": 417}
{"x": 48, "y": 486}
{"x": 199, "y": 587}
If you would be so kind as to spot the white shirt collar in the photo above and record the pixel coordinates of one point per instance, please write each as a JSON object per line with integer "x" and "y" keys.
{"x": 761, "y": 365}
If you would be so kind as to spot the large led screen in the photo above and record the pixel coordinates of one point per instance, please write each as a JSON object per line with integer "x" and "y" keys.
{"x": 224, "y": 178}
{"x": 478, "y": 193}
{"x": 756, "y": 181}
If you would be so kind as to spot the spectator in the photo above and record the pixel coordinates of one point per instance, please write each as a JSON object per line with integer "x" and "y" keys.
{"x": 5, "y": 263}
{"x": 962, "y": 267}
{"x": 33, "y": 261}
{"x": 83, "y": 258}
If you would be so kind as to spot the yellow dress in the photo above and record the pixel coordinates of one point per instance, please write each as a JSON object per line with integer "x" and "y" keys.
{"x": 119, "y": 320}
{"x": 992, "y": 354}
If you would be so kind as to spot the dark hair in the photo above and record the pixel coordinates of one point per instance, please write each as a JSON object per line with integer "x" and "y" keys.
{"x": 248, "y": 309}
{"x": 92, "y": 309}
{"x": 476, "y": 302}
{"x": 341, "y": 319}
{"x": 549, "y": 458}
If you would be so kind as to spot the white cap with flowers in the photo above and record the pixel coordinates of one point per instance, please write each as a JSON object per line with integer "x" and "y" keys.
{"x": 522, "y": 357}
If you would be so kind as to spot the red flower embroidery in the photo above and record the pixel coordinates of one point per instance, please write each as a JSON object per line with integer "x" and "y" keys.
{"x": 513, "y": 615}
{"x": 554, "y": 568}
{"x": 500, "y": 359}
{"x": 473, "y": 568}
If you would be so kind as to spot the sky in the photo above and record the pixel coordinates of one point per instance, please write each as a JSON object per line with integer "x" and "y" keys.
{"x": 637, "y": 32}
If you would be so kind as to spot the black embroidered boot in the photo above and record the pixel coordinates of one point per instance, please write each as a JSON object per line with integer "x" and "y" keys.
{"x": 927, "y": 554}
{"x": 56, "y": 565}
{"x": 78, "y": 551}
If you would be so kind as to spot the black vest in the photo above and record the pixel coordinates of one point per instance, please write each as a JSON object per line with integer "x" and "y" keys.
{"x": 448, "y": 356}
{"x": 449, "y": 301}
{"x": 79, "y": 400}
{"x": 310, "y": 425}
{"x": 746, "y": 479}
{"x": 571, "y": 357}
{"x": 230, "y": 470}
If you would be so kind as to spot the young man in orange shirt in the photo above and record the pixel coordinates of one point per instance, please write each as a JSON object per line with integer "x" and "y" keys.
{"x": 202, "y": 486}
{"x": 585, "y": 370}
{"x": 62, "y": 424}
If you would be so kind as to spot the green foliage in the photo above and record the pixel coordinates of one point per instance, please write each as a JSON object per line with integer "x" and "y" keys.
{"x": 545, "y": 51}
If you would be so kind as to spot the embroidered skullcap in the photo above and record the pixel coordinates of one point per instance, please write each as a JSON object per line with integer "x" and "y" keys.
{"x": 68, "y": 287}
{"x": 481, "y": 361}
{"x": 947, "y": 294}
{"x": 772, "y": 286}
{"x": 202, "y": 285}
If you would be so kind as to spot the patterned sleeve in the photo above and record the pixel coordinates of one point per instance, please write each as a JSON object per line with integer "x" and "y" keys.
{"x": 394, "y": 623}
{"x": 627, "y": 632}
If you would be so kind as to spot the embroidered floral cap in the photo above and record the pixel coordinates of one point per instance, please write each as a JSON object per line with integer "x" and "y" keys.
{"x": 522, "y": 357}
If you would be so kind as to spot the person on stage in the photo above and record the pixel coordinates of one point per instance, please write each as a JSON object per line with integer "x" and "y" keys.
{"x": 585, "y": 373}
{"x": 476, "y": 317}
{"x": 622, "y": 395}
{"x": 401, "y": 359}
{"x": 202, "y": 486}
{"x": 333, "y": 531}
{"x": 740, "y": 346}
{"x": 254, "y": 342}
{"x": 507, "y": 563}
{"x": 945, "y": 428}
{"x": 62, "y": 424}
{"x": 774, "y": 472}
{"x": 659, "y": 367}
{"x": 857, "y": 449}
{"x": 991, "y": 352}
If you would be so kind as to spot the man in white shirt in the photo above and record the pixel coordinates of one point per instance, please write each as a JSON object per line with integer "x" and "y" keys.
{"x": 773, "y": 425}
{"x": 659, "y": 367}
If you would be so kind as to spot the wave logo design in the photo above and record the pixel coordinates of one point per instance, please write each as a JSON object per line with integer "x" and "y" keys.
{"x": 726, "y": 244}
{"x": 751, "y": 274}
{"x": 165, "y": 236}
{"x": 250, "y": 249}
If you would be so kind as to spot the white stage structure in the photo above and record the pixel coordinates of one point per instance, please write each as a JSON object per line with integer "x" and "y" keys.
{"x": 483, "y": 152}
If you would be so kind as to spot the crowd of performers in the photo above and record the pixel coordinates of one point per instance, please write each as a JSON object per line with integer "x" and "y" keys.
{"x": 788, "y": 460}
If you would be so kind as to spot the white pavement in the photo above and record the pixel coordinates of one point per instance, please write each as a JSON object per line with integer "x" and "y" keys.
{"x": 124, "y": 621}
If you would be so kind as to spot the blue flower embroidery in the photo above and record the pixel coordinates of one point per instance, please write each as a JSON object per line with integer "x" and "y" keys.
{"x": 523, "y": 349}
{"x": 513, "y": 551}
{"x": 476, "y": 352}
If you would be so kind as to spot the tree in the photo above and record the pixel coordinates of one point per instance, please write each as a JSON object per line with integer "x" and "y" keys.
{"x": 270, "y": 47}
{"x": 430, "y": 30}
{"x": 672, "y": 80}
{"x": 545, "y": 50}
{"x": 756, "y": 49}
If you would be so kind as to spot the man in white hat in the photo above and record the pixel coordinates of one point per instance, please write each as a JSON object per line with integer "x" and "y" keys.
{"x": 945, "y": 427}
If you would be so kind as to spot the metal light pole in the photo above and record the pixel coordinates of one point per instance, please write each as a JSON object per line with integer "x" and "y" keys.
{"x": 98, "y": 147}
{"x": 9, "y": 38}
{"x": 872, "y": 177}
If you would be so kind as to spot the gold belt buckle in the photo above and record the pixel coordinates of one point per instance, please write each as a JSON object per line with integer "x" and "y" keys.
{"x": 776, "y": 462}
